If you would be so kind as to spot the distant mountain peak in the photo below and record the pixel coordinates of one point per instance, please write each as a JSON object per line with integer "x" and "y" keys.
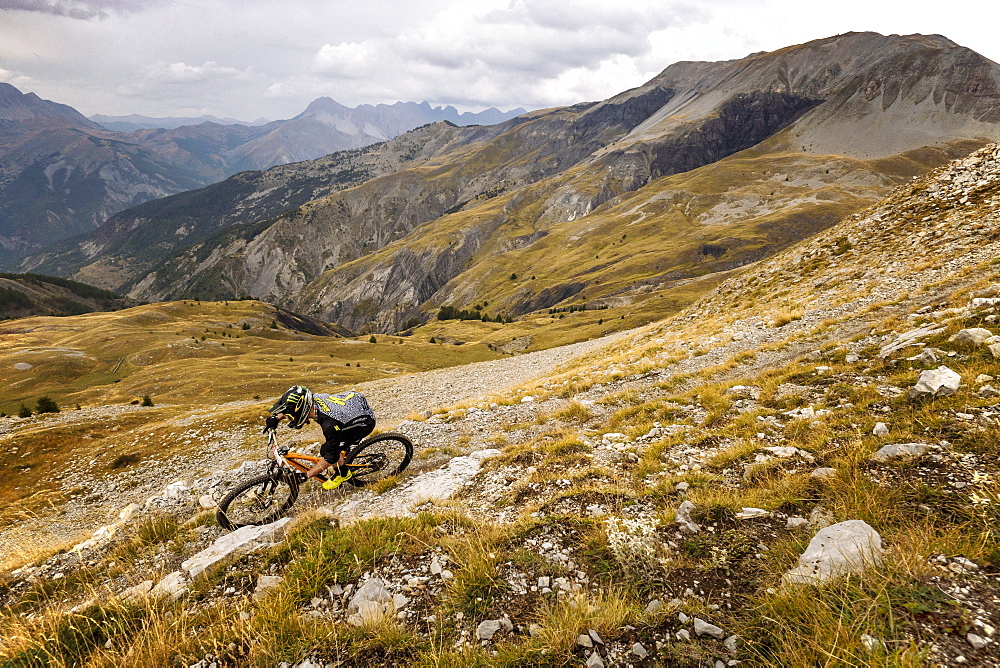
{"x": 32, "y": 111}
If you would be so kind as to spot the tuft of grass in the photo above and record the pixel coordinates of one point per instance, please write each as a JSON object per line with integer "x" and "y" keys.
{"x": 575, "y": 412}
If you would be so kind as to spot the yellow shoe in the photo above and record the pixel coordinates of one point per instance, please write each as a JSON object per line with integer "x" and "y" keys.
{"x": 334, "y": 483}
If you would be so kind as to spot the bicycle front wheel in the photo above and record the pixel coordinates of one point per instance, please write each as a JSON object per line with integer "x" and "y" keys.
{"x": 259, "y": 500}
{"x": 379, "y": 457}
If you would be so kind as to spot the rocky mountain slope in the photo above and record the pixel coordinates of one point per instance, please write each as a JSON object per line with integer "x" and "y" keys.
{"x": 62, "y": 174}
{"x": 705, "y": 168}
{"x": 670, "y": 498}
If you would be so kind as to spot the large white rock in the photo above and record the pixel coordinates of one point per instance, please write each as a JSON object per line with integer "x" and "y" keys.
{"x": 372, "y": 590}
{"x": 983, "y": 302}
{"x": 909, "y": 338}
{"x": 900, "y": 451}
{"x": 136, "y": 592}
{"x": 937, "y": 382}
{"x": 173, "y": 585}
{"x": 440, "y": 484}
{"x": 178, "y": 489}
{"x": 487, "y": 629}
{"x": 973, "y": 336}
{"x": 233, "y": 544}
{"x": 701, "y": 627}
{"x": 99, "y": 538}
{"x": 839, "y": 549}
{"x": 688, "y": 525}
{"x": 370, "y": 603}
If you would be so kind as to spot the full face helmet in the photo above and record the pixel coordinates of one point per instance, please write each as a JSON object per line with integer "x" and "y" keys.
{"x": 297, "y": 403}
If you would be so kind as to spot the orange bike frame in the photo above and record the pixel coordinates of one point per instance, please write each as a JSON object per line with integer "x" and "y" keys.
{"x": 297, "y": 460}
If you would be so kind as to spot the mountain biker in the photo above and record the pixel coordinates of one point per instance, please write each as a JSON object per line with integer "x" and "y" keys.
{"x": 345, "y": 419}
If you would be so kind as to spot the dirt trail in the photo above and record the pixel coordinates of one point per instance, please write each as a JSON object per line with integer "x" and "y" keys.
{"x": 395, "y": 398}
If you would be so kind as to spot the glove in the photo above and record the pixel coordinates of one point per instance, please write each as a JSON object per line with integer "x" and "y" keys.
{"x": 270, "y": 424}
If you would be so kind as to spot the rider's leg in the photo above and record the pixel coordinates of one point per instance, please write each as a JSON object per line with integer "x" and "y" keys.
{"x": 320, "y": 466}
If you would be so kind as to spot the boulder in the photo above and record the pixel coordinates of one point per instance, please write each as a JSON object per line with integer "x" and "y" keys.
{"x": 750, "y": 513}
{"x": 137, "y": 592}
{"x": 702, "y": 628}
{"x": 927, "y": 357}
{"x": 233, "y": 544}
{"x": 881, "y": 429}
{"x": 899, "y": 451}
{"x": 839, "y": 549}
{"x": 983, "y": 302}
{"x": 173, "y": 585}
{"x": 936, "y": 383}
{"x": 178, "y": 489}
{"x": 372, "y": 590}
{"x": 909, "y": 338}
{"x": 487, "y": 629}
{"x": 370, "y": 603}
{"x": 972, "y": 337}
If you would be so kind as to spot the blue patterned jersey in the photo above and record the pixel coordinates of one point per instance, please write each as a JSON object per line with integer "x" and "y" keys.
{"x": 343, "y": 407}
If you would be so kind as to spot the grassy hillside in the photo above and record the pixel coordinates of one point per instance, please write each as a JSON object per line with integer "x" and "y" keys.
{"x": 650, "y": 251}
{"x": 23, "y": 295}
{"x": 754, "y": 414}
{"x": 169, "y": 350}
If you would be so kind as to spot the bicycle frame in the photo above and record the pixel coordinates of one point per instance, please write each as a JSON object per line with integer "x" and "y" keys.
{"x": 283, "y": 458}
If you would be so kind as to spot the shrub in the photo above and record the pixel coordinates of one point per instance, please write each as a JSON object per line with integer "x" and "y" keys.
{"x": 24, "y": 411}
{"x": 634, "y": 542}
{"x": 46, "y": 405}
{"x": 146, "y": 401}
{"x": 372, "y": 339}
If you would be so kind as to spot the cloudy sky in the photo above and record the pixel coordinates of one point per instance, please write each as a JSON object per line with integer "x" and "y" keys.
{"x": 269, "y": 58}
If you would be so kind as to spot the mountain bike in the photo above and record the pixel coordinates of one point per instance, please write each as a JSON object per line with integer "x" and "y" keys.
{"x": 267, "y": 497}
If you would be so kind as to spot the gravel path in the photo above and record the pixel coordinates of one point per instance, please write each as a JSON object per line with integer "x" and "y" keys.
{"x": 395, "y": 398}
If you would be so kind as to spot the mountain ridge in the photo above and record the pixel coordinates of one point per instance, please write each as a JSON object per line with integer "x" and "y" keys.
{"x": 62, "y": 174}
{"x": 490, "y": 209}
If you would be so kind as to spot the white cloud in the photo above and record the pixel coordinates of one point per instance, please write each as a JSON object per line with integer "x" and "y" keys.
{"x": 529, "y": 52}
{"x": 250, "y": 58}
{"x": 15, "y": 79}
{"x": 348, "y": 60}
{"x": 182, "y": 73}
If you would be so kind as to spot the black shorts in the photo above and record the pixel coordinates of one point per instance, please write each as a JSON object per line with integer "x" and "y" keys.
{"x": 341, "y": 437}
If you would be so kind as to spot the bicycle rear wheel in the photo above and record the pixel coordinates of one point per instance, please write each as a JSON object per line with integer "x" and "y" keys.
{"x": 259, "y": 500}
{"x": 379, "y": 457}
